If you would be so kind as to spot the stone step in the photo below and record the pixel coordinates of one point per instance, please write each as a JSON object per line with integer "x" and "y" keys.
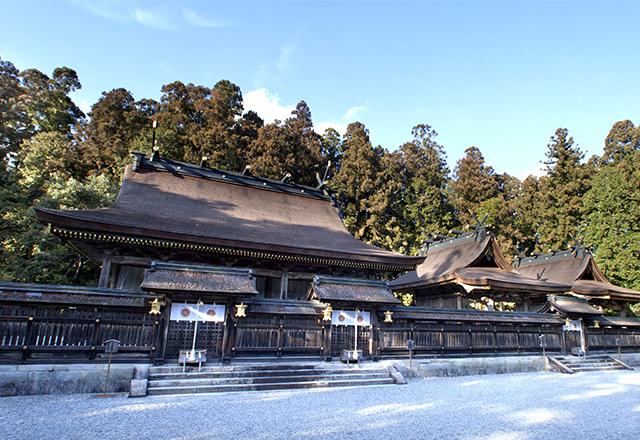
{"x": 191, "y": 367}
{"x": 590, "y": 363}
{"x": 266, "y": 387}
{"x": 221, "y": 374}
{"x": 263, "y": 380}
{"x": 597, "y": 368}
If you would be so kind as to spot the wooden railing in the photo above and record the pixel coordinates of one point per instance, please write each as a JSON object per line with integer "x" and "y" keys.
{"x": 42, "y": 324}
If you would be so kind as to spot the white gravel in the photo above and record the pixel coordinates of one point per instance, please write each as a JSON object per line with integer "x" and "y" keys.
{"x": 601, "y": 405}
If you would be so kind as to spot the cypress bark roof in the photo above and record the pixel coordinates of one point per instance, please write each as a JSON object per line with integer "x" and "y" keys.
{"x": 569, "y": 305}
{"x": 330, "y": 289}
{"x": 76, "y": 295}
{"x": 198, "y": 279}
{"x": 472, "y": 260}
{"x": 164, "y": 203}
{"x": 577, "y": 268}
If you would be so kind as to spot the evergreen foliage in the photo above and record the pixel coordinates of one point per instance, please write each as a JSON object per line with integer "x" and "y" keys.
{"x": 612, "y": 207}
{"x": 52, "y": 156}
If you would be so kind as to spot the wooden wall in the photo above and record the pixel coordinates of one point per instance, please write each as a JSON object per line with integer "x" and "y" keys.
{"x": 32, "y": 333}
{"x": 45, "y": 333}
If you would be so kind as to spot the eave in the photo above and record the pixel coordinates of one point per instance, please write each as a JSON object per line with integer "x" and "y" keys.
{"x": 251, "y": 250}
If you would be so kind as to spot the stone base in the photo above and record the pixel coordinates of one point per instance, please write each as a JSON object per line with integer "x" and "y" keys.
{"x": 20, "y": 380}
{"x": 470, "y": 366}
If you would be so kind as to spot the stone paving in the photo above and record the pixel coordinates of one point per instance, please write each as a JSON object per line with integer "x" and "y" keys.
{"x": 523, "y": 406}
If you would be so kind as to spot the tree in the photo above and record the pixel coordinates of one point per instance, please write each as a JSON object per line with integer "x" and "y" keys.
{"x": 13, "y": 117}
{"x": 45, "y": 178}
{"x": 116, "y": 122}
{"x": 332, "y": 150}
{"x": 48, "y": 104}
{"x": 358, "y": 180}
{"x": 31, "y": 102}
{"x": 293, "y": 148}
{"x": 196, "y": 121}
{"x": 421, "y": 203}
{"x": 474, "y": 183}
{"x": 561, "y": 191}
{"x": 612, "y": 207}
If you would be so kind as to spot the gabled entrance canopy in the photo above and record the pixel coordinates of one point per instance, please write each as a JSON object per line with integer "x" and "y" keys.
{"x": 195, "y": 279}
{"x": 352, "y": 291}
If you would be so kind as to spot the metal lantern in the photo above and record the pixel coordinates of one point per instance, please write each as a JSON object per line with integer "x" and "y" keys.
{"x": 326, "y": 313}
{"x": 241, "y": 310}
{"x": 155, "y": 306}
{"x": 596, "y": 323}
{"x": 387, "y": 316}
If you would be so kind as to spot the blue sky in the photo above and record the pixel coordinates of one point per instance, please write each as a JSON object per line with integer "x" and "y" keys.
{"x": 498, "y": 75}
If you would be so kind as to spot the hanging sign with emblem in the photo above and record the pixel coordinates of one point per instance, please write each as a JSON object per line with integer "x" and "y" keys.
{"x": 196, "y": 312}
{"x": 350, "y": 317}
{"x": 572, "y": 325}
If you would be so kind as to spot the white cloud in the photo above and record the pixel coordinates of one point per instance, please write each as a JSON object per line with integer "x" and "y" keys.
{"x": 166, "y": 69}
{"x": 85, "y": 106}
{"x": 108, "y": 10}
{"x": 537, "y": 172}
{"x": 341, "y": 125}
{"x": 152, "y": 19}
{"x": 200, "y": 21}
{"x": 351, "y": 113}
{"x": 167, "y": 17}
{"x": 267, "y": 105}
{"x": 284, "y": 60}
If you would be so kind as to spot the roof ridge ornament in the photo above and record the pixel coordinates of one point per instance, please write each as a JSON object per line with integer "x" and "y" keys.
{"x": 323, "y": 182}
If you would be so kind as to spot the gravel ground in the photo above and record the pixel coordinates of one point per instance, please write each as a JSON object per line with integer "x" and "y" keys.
{"x": 602, "y": 405}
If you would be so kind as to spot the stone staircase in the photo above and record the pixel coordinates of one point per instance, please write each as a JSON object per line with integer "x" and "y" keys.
{"x": 170, "y": 379}
{"x": 575, "y": 364}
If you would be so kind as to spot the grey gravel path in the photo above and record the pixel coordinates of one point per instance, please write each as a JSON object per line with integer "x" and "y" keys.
{"x": 603, "y": 405}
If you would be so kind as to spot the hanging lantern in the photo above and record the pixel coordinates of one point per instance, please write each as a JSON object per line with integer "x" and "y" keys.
{"x": 241, "y": 310}
{"x": 596, "y": 323}
{"x": 326, "y": 313}
{"x": 155, "y": 306}
{"x": 567, "y": 322}
{"x": 387, "y": 316}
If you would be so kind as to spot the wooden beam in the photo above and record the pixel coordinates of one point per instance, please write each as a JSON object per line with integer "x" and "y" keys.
{"x": 105, "y": 272}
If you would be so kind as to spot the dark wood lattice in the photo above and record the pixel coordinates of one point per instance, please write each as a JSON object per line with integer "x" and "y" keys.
{"x": 180, "y": 337}
{"x": 342, "y": 338}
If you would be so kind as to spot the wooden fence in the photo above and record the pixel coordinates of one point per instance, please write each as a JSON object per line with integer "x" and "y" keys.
{"x": 50, "y": 324}
{"x": 42, "y": 324}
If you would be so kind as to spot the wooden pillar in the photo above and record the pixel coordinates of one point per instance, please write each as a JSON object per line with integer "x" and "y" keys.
{"x": 227, "y": 335}
{"x": 284, "y": 284}
{"x": 115, "y": 273}
{"x": 164, "y": 322}
{"x": 327, "y": 327}
{"x": 105, "y": 272}
{"x": 374, "y": 336}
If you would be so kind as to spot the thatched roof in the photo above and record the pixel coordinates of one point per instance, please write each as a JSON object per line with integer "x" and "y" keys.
{"x": 167, "y": 277}
{"x": 468, "y": 315}
{"x": 72, "y": 295}
{"x": 347, "y": 290}
{"x": 167, "y": 204}
{"x": 472, "y": 260}
{"x": 575, "y": 267}
{"x": 569, "y": 306}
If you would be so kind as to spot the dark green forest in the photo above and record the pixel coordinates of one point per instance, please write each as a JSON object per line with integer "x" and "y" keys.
{"x": 395, "y": 197}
